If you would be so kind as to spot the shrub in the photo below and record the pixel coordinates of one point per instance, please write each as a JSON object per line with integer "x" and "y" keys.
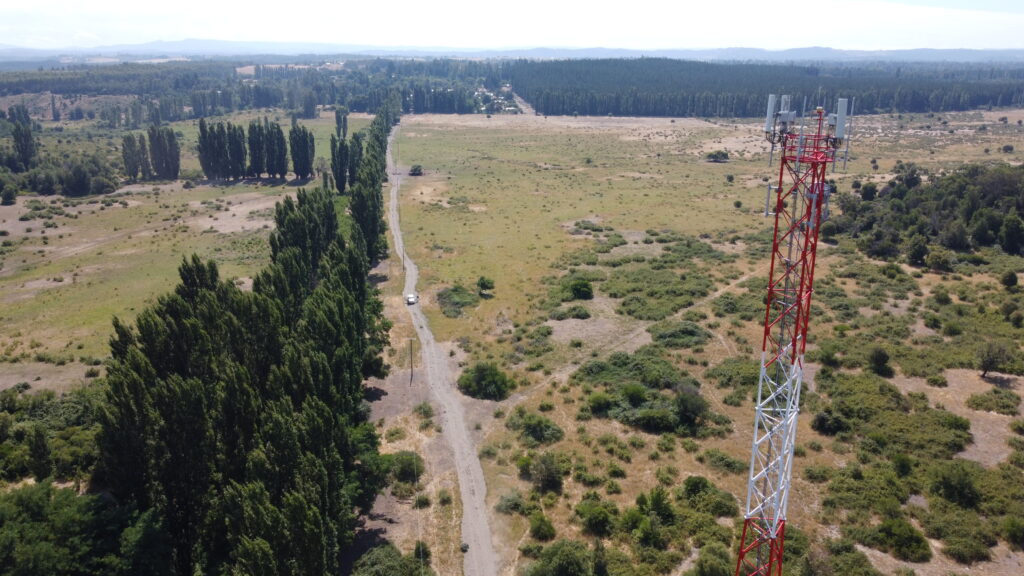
{"x": 421, "y": 501}
{"x": 717, "y": 156}
{"x": 484, "y": 380}
{"x": 596, "y": 515}
{"x": 580, "y": 289}
{"x": 966, "y": 550}
{"x": 576, "y": 312}
{"x": 444, "y": 497}
{"x": 546, "y": 473}
{"x": 406, "y": 466}
{"x": 1017, "y": 426}
{"x": 541, "y": 527}
{"x": 452, "y": 300}
{"x": 683, "y": 334}
{"x": 901, "y": 539}
{"x": 956, "y": 481}
{"x": 996, "y": 400}
{"x": 531, "y": 549}
{"x": 424, "y": 410}
{"x": 534, "y": 429}
{"x": 513, "y": 503}
{"x": 818, "y": 474}
{"x": 563, "y": 557}
{"x": 719, "y": 460}
{"x": 416, "y": 170}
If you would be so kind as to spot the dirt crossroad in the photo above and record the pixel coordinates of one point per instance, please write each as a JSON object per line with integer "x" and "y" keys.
{"x": 480, "y": 558}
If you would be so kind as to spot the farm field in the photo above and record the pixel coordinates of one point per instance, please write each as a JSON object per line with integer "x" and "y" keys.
{"x": 527, "y": 200}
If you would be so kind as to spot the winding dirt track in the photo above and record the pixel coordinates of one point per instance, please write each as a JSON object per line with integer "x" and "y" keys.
{"x": 480, "y": 559}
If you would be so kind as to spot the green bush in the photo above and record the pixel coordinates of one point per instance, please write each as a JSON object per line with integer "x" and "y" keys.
{"x": 597, "y": 516}
{"x": 541, "y": 527}
{"x": 406, "y": 466}
{"x": 454, "y": 299}
{"x": 534, "y": 429}
{"x": 546, "y": 472}
{"x": 514, "y": 503}
{"x": 576, "y": 312}
{"x": 1017, "y": 426}
{"x": 996, "y": 400}
{"x": 899, "y": 538}
{"x": 565, "y": 557}
{"x": 719, "y": 460}
{"x": 424, "y": 410}
{"x": 580, "y": 289}
{"x": 684, "y": 334}
{"x": 966, "y": 550}
{"x": 486, "y": 381}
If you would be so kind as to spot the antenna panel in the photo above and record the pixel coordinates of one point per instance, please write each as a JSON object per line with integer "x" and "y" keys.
{"x": 769, "y": 119}
{"x": 841, "y": 119}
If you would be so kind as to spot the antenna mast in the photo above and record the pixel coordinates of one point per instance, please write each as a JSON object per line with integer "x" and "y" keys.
{"x": 800, "y": 206}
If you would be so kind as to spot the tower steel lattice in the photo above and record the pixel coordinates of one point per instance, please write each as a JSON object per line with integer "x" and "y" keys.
{"x": 800, "y": 206}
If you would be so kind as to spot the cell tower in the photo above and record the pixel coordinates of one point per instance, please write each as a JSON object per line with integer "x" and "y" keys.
{"x": 800, "y": 206}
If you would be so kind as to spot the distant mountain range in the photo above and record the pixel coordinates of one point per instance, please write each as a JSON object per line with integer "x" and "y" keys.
{"x": 194, "y": 48}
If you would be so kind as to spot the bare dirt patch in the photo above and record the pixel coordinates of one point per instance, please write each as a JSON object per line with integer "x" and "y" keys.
{"x": 990, "y": 430}
{"x": 41, "y": 376}
{"x": 250, "y": 211}
{"x": 1005, "y": 562}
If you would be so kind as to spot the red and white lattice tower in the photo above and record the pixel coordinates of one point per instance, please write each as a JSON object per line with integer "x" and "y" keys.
{"x": 800, "y": 206}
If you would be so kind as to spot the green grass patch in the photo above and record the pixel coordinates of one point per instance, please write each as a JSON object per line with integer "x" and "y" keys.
{"x": 996, "y": 400}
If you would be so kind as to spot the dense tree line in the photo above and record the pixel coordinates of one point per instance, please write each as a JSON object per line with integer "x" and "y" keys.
{"x": 928, "y": 222}
{"x": 135, "y": 154}
{"x": 164, "y": 152}
{"x": 223, "y": 150}
{"x": 626, "y": 87}
{"x": 177, "y": 90}
{"x": 666, "y": 87}
{"x": 303, "y": 150}
{"x": 367, "y": 204}
{"x": 227, "y": 152}
{"x": 339, "y": 162}
{"x": 231, "y": 432}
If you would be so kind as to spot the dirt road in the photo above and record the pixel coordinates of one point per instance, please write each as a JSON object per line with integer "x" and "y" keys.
{"x": 480, "y": 559}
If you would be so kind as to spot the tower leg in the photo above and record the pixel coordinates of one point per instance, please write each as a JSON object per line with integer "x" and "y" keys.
{"x": 760, "y": 553}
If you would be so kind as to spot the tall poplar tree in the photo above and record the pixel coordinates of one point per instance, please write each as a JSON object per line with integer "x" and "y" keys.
{"x": 339, "y": 163}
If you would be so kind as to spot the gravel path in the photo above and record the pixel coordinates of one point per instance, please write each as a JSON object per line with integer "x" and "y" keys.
{"x": 480, "y": 559}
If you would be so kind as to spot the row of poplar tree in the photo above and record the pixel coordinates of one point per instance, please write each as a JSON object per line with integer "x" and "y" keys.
{"x": 227, "y": 152}
{"x": 233, "y": 436}
{"x": 161, "y": 158}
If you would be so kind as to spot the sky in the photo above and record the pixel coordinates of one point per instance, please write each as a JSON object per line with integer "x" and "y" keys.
{"x": 479, "y": 24}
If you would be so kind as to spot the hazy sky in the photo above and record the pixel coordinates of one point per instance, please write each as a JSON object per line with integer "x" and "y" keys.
{"x": 638, "y": 24}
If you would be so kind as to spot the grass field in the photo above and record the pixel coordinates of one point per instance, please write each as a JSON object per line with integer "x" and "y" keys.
{"x": 64, "y": 277}
{"x": 501, "y": 197}
{"x": 518, "y": 199}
